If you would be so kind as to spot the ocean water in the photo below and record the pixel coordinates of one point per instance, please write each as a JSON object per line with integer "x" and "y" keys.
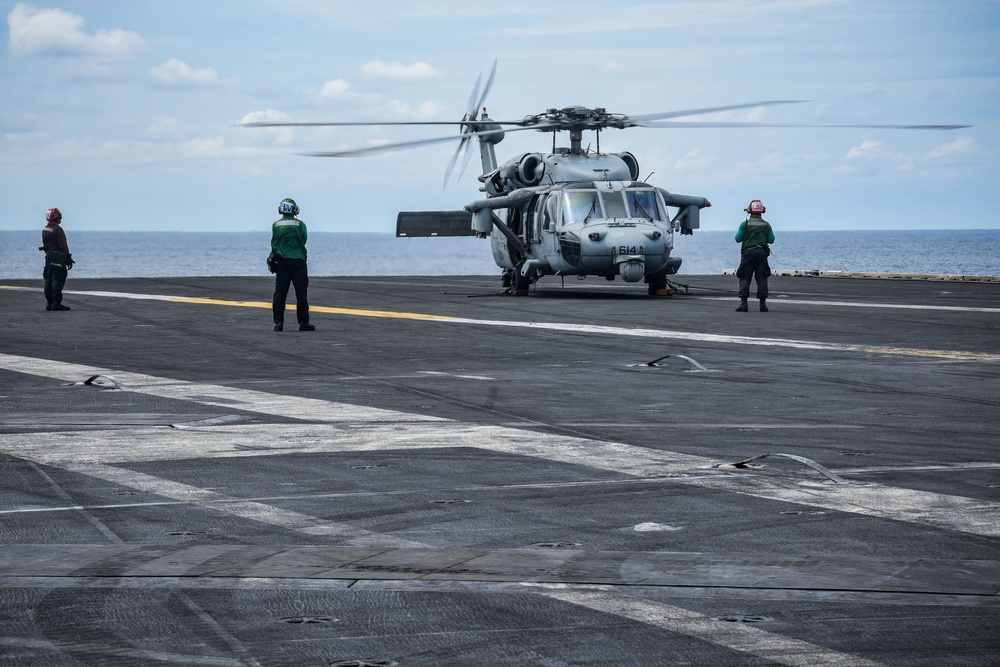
{"x": 168, "y": 254}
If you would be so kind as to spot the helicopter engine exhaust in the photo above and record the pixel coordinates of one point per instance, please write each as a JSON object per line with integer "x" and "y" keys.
{"x": 631, "y": 163}
{"x": 531, "y": 169}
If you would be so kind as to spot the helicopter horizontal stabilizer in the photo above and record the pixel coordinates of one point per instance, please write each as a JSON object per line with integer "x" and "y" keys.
{"x": 434, "y": 223}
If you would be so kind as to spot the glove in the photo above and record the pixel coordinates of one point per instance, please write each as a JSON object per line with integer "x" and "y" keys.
{"x": 69, "y": 262}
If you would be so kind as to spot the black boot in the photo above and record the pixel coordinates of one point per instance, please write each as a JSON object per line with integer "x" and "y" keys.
{"x": 742, "y": 307}
{"x": 58, "y": 306}
{"x": 763, "y": 306}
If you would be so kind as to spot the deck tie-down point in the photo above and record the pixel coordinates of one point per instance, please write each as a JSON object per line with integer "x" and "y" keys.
{"x": 92, "y": 382}
{"x": 655, "y": 363}
{"x": 801, "y": 459}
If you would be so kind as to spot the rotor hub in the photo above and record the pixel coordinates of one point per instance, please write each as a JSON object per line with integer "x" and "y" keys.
{"x": 576, "y": 118}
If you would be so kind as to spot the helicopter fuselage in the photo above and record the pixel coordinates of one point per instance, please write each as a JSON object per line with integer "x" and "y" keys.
{"x": 605, "y": 228}
{"x": 580, "y": 214}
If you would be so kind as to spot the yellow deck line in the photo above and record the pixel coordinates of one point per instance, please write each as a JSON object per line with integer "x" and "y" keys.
{"x": 319, "y": 309}
{"x": 689, "y": 336}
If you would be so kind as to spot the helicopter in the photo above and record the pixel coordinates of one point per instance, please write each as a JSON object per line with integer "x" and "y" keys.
{"x": 572, "y": 211}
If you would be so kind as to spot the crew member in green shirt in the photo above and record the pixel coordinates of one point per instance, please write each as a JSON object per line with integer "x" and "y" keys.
{"x": 288, "y": 263}
{"x": 756, "y": 235}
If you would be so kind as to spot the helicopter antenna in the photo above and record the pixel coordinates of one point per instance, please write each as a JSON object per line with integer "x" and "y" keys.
{"x": 646, "y": 180}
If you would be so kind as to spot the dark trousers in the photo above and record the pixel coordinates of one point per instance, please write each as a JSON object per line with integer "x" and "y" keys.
{"x": 753, "y": 264}
{"x": 291, "y": 272}
{"x": 55, "y": 278}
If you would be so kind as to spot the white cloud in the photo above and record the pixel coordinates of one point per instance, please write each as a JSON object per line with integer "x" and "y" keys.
{"x": 764, "y": 167}
{"x": 612, "y": 67}
{"x": 398, "y": 71}
{"x": 693, "y": 161}
{"x": 867, "y": 150}
{"x": 426, "y": 110}
{"x": 266, "y": 116}
{"x": 334, "y": 88}
{"x": 276, "y": 135}
{"x": 211, "y": 147}
{"x": 165, "y": 128}
{"x": 23, "y": 139}
{"x": 176, "y": 73}
{"x": 54, "y": 32}
{"x": 959, "y": 147}
{"x": 552, "y": 19}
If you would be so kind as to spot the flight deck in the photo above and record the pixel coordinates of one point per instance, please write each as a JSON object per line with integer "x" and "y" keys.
{"x": 444, "y": 475}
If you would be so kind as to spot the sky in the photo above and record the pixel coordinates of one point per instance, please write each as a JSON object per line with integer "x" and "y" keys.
{"x": 126, "y": 114}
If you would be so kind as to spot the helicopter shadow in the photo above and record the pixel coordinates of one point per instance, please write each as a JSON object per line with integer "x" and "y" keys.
{"x": 588, "y": 294}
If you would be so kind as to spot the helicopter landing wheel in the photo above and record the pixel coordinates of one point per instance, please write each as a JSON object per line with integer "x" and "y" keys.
{"x": 522, "y": 282}
{"x": 657, "y": 284}
{"x": 507, "y": 277}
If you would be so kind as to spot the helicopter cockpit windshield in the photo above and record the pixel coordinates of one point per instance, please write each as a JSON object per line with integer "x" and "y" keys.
{"x": 643, "y": 204}
{"x": 588, "y": 205}
{"x": 614, "y": 205}
{"x": 581, "y": 206}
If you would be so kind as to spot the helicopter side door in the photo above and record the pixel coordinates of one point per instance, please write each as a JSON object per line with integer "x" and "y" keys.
{"x": 532, "y": 226}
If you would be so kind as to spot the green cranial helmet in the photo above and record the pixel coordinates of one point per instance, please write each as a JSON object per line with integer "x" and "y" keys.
{"x": 288, "y": 207}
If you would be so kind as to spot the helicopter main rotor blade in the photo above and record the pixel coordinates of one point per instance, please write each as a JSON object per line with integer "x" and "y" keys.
{"x": 360, "y": 123}
{"x": 382, "y": 148}
{"x": 695, "y": 112}
{"x": 869, "y": 126}
{"x": 464, "y": 138}
{"x": 402, "y": 145}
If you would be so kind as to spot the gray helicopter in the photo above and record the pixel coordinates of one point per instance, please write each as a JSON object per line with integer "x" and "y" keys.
{"x": 570, "y": 212}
